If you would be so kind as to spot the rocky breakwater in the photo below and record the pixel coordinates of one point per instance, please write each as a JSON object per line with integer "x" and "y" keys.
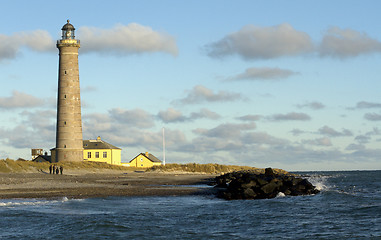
{"x": 250, "y": 185}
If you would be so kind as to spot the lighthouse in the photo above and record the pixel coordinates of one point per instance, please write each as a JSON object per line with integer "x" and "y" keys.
{"x": 69, "y": 142}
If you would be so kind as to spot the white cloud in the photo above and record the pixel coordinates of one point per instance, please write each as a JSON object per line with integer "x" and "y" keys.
{"x": 292, "y": 116}
{"x": 249, "y": 117}
{"x": 263, "y": 73}
{"x": 136, "y": 117}
{"x": 355, "y": 147}
{"x": 319, "y": 142}
{"x": 226, "y": 131}
{"x": 125, "y": 40}
{"x": 120, "y": 130}
{"x": 260, "y": 138}
{"x": 172, "y": 115}
{"x": 364, "y": 105}
{"x": 201, "y": 94}
{"x": 297, "y": 132}
{"x": 328, "y": 131}
{"x": 32, "y": 130}
{"x": 204, "y": 113}
{"x": 20, "y": 100}
{"x": 312, "y": 105}
{"x": 38, "y": 40}
{"x": 345, "y": 43}
{"x": 253, "y": 42}
{"x": 372, "y": 116}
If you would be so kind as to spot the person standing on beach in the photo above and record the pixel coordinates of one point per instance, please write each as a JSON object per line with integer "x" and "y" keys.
{"x": 61, "y": 170}
{"x": 54, "y": 169}
{"x": 50, "y": 169}
{"x": 57, "y": 170}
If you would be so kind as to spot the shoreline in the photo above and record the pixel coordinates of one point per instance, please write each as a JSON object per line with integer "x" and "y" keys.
{"x": 78, "y": 185}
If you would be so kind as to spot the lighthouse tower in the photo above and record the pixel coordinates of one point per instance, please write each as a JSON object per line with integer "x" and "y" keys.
{"x": 69, "y": 142}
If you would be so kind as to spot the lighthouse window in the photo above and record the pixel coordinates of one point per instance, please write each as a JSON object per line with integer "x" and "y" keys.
{"x": 65, "y": 123}
{"x": 65, "y": 146}
{"x": 65, "y": 96}
{"x": 65, "y": 72}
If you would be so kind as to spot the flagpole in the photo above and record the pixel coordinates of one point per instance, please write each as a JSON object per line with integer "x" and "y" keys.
{"x": 163, "y": 148}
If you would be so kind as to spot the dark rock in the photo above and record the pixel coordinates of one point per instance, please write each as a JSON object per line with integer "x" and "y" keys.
{"x": 269, "y": 172}
{"x": 250, "y": 185}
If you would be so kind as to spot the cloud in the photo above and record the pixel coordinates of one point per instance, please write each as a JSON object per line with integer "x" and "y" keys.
{"x": 297, "y": 132}
{"x": 225, "y": 131}
{"x": 372, "y": 116}
{"x": 333, "y": 133}
{"x": 292, "y": 116}
{"x": 355, "y": 147}
{"x": 32, "y": 130}
{"x": 326, "y": 142}
{"x": 312, "y": 105}
{"x": 345, "y": 43}
{"x": 38, "y": 40}
{"x": 122, "y": 130}
{"x": 261, "y": 138}
{"x": 136, "y": 117}
{"x": 126, "y": 40}
{"x": 201, "y": 94}
{"x": 362, "y": 139}
{"x": 264, "y": 73}
{"x": 172, "y": 115}
{"x": 20, "y": 100}
{"x": 253, "y": 42}
{"x": 364, "y": 105}
{"x": 375, "y": 132}
{"x": 204, "y": 113}
{"x": 249, "y": 117}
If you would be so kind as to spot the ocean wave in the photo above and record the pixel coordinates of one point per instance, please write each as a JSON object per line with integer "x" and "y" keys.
{"x": 32, "y": 202}
{"x": 320, "y": 182}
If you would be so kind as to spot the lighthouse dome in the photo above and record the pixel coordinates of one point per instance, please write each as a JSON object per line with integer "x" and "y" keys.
{"x": 68, "y": 26}
{"x": 68, "y": 31}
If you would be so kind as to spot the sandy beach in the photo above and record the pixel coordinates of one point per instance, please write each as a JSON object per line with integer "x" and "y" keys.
{"x": 101, "y": 184}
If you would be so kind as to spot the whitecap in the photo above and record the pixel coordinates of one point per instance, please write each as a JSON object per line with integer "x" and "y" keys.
{"x": 280, "y": 194}
{"x": 319, "y": 181}
{"x": 15, "y": 203}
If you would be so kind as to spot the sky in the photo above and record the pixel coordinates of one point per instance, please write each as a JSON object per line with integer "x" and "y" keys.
{"x": 283, "y": 84}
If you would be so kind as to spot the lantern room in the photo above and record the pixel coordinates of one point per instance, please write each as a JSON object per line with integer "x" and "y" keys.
{"x": 68, "y": 31}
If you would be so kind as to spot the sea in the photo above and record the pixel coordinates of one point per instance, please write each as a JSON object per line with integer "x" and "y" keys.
{"x": 348, "y": 207}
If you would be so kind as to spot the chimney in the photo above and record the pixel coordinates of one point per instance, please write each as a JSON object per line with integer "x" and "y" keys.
{"x": 146, "y": 154}
{"x": 98, "y": 138}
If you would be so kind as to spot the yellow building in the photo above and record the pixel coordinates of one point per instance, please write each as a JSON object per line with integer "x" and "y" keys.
{"x": 144, "y": 160}
{"x": 101, "y": 151}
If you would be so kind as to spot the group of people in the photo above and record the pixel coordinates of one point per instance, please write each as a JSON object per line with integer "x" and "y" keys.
{"x": 53, "y": 169}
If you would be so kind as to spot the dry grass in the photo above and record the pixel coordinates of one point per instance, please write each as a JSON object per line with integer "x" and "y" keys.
{"x": 20, "y": 166}
{"x": 207, "y": 168}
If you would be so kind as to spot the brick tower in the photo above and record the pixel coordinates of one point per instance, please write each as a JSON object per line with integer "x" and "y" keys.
{"x": 69, "y": 142}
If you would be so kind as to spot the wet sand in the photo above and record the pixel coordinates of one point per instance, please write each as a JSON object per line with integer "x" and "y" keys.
{"x": 112, "y": 183}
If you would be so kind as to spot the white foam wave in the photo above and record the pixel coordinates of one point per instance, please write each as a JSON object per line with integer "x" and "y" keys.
{"x": 280, "y": 194}
{"x": 15, "y": 203}
{"x": 32, "y": 202}
{"x": 319, "y": 181}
